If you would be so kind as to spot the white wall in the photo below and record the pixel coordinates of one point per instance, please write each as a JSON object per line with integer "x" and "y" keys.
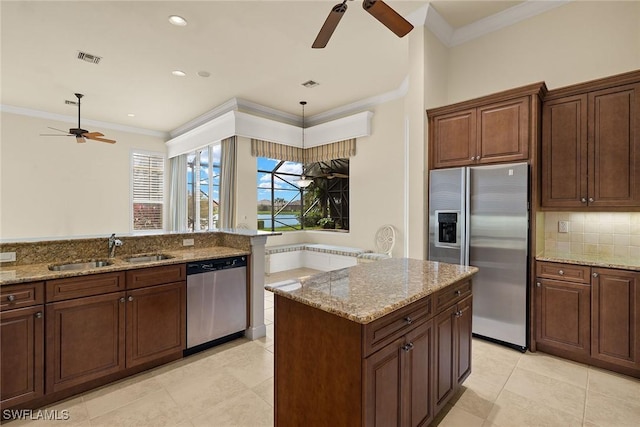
{"x": 570, "y": 44}
{"x": 55, "y": 187}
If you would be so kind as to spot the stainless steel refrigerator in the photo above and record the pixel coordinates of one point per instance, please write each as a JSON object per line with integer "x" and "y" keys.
{"x": 480, "y": 216}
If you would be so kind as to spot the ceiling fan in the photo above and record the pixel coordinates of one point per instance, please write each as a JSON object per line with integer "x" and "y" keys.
{"x": 80, "y": 133}
{"x": 377, "y": 8}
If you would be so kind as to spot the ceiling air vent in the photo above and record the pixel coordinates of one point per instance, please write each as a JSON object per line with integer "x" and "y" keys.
{"x": 310, "y": 83}
{"x": 66, "y": 101}
{"x": 87, "y": 57}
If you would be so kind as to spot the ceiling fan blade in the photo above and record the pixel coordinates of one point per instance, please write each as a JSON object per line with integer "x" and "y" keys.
{"x": 329, "y": 25}
{"x": 96, "y": 138}
{"x": 388, "y": 17}
{"x": 91, "y": 134}
{"x": 59, "y": 130}
{"x": 54, "y": 134}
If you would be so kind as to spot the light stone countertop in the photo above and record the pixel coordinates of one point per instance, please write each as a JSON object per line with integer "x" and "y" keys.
{"x": 37, "y": 272}
{"x": 369, "y": 291}
{"x": 622, "y": 263}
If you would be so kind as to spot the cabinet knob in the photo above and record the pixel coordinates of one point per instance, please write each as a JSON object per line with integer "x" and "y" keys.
{"x": 11, "y": 298}
{"x": 478, "y": 158}
{"x": 122, "y": 299}
{"x": 594, "y": 274}
{"x": 538, "y": 284}
{"x": 407, "y": 347}
{"x": 38, "y": 315}
{"x": 591, "y": 200}
{"x": 473, "y": 157}
{"x": 561, "y": 272}
{"x": 458, "y": 292}
{"x": 583, "y": 200}
{"x": 408, "y": 319}
{"x": 130, "y": 298}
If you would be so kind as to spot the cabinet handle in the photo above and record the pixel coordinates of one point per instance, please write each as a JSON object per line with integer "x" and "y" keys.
{"x": 38, "y": 315}
{"x": 122, "y": 299}
{"x": 591, "y": 200}
{"x": 538, "y": 284}
{"x": 11, "y": 298}
{"x": 408, "y": 319}
{"x": 130, "y": 298}
{"x": 458, "y": 292}
{"x": 594, "y": 274}
{"x": 583, "y": 200}
{"x": 561, "y": 272}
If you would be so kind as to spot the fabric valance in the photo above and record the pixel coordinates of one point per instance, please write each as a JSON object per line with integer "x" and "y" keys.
{"x": 321, "y": 153}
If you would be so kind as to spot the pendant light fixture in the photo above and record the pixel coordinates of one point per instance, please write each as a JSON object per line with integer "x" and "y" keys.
{"x": 303, "y": 182}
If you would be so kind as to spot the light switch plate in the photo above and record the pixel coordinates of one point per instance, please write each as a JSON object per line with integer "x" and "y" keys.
{"x": 7, "y": 256}
{"x": 187, "y": 242}
{"x": 563, "y": 226}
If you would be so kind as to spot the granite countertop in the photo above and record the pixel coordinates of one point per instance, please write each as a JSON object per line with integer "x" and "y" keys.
{"x": 369, "y": 291}
{"x": 35, "y": 272}
{"x": 622, "y": 263}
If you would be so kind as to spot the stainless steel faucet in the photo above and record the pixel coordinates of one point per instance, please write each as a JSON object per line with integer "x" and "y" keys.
{"x": 113, "y": 244}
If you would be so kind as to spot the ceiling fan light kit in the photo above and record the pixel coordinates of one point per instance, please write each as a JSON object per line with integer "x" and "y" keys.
{"x": 376, "y": 8}
{"x": 82, "y": 134}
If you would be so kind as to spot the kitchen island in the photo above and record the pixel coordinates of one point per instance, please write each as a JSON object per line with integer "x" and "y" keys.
{"x": 379, "y": 344}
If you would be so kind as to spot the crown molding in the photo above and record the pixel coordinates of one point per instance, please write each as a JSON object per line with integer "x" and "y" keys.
{"x": 439, "y": 26}
{"x": 73, "y": 120}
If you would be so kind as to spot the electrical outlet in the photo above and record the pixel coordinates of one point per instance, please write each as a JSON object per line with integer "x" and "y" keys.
{"x": 563, "y": 226}
{"x": 187, "y": 242}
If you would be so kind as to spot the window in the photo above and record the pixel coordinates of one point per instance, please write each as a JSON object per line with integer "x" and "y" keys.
{"x": 283, "y": 206}
{"x": 147, "y": 190}
{"x": 203, "y": 188}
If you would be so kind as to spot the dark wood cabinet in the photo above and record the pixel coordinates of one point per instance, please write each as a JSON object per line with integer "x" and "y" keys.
{"x": 85, "y": 339}
{"x": 498, "y": 128}
{"x": 22, "y": 355}
{"x": 452, "y": 330}
{"x": 615, "y": 320}
{"x": 592, "y": 316}
{"x": 155, "y": 322}
{"x": 591, "y": 144}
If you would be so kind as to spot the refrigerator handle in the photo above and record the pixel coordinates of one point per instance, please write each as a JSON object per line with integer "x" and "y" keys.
{"x": 466, "y": 215}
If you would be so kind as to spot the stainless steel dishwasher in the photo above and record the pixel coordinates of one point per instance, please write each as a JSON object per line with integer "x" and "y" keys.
{"x": 216, "y": 301}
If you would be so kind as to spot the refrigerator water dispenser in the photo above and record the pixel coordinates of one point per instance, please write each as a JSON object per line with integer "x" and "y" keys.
{"x": 448, "y": 227}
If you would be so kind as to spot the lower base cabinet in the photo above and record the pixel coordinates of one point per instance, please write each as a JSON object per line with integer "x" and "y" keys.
{"x": 589, "y": 314}
{"x": 385, "y": 373}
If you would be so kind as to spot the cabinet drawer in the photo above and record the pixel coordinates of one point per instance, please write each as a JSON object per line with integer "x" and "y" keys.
{"x": 155, "y": 276}
{"x": 84, "y": 286}
{"x": 382, "y": 331}
{"x": 565, "y": 272}
{"x": 451, "y": 295}
{"x": 22, "y": 295}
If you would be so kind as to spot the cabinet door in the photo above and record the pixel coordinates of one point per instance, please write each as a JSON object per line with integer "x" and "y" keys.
{"x": 615, "y": 325}
{"x": 155, "y": 322}
{"x": 454, "y": 139}
{"x": 462, "y": 334}
{"x": 503, "y": 132}
{"x": 615, "y": 146}
{"x": 563, "y": 316}
{"x": 383, "y": 377}
{"x": 85, "y": 340}
{"x": 419, "y": 356}
{"x": 22, "y": 355}
{"x": 564, "y": 152}
{"x": 444, "y": 379}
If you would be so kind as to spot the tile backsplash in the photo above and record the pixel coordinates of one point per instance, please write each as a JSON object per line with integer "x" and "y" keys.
{"x": 606, "y": 234}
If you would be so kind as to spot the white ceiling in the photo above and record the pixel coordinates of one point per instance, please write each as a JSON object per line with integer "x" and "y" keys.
{"x": 259, "y": 51}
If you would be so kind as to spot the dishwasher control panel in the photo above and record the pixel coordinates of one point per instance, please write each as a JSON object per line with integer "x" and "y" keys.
{"x": 196, "y": 267}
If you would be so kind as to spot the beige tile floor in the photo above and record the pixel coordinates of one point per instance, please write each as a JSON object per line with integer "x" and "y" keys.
{"x": 232, "y": 385}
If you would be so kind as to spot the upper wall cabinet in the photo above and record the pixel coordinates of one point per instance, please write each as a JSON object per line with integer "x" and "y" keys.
{"x": 591, "y": 144}
{"x": 494, "y": 129}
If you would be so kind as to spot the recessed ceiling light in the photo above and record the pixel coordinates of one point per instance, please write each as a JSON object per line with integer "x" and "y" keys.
{"x": 204, "y": 73}
{"x": 178, "y": 73}
{"x": 131, "y": 115}
{"x": 177, "y": 20}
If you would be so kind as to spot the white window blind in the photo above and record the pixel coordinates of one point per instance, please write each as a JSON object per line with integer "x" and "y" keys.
{"x": 148, "y": 190}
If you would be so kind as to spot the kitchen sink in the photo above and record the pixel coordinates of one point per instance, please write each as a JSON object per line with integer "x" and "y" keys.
{"x": 148, "y": 258}
{"x": 80, "y": 265}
